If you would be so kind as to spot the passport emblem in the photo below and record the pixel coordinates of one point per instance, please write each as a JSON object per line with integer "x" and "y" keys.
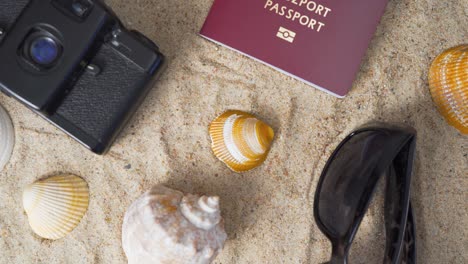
{"x": 286, "y": 34}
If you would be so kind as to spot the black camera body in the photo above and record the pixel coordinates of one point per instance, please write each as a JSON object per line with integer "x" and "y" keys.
{"x": 72, "y": 62}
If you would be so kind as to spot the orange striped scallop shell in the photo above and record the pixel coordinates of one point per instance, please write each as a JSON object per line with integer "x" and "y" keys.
{"x": 448, "y": 82}
{"x": 240, "y": 140}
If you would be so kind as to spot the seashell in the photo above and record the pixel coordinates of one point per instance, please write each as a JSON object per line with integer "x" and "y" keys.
{"x": 56, "y": 205}
{"x": 7, "y": 138}
{"x": 448, "y": 82}
{"x": 240, "y": 140}
{"x": 166, "y": 226}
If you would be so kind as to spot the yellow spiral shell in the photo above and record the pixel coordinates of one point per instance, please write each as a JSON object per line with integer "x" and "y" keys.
{"x": 240, "y": 140}
{"x": 448, "y": 82}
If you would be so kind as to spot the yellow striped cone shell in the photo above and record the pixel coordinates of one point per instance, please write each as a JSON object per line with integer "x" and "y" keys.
{"x": 448, "y": 82}
{"x": 56, "y": 205}
{"x": 240, "y": 140}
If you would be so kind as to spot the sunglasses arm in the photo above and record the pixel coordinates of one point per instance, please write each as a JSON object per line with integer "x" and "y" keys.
{"x": 338, "y": 260}
{"x": 339, "y": 255}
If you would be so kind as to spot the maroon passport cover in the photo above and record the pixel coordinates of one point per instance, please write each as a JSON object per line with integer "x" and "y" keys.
{"x": 319, "y": 42}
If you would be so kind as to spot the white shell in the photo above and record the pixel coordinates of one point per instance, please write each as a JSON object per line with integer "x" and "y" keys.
{"x": 164, "y": 226}
{"x": 56, "y": 205}
{"x": 7, "y": 138}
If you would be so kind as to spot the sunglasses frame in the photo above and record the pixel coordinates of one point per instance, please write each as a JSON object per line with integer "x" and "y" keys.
{"x": 402, "y": 250}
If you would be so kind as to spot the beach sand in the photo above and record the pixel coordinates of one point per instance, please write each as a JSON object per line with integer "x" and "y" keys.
{"x": 268, "y": 211}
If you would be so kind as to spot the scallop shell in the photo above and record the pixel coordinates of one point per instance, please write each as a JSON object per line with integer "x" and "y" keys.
{"x": 7, "y": 138}
{"x": 166, "y": 226}
{"x": 448, "y": 82}
{"x": 56, "y": 205}
{"x": 240, "y": 140}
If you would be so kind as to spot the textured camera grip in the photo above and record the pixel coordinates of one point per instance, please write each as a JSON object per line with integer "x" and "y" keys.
{"x": 9, "y": 11}
{"x": 100, "y": 105}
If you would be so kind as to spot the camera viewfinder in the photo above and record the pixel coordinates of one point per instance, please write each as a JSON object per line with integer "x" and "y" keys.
{"x": 76, "y": 8}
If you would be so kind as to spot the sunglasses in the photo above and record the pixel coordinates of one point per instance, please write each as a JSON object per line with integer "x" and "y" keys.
{"x": 349, "y": 181}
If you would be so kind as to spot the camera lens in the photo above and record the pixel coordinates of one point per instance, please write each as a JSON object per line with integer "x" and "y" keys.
{"x": 44, "y": 50}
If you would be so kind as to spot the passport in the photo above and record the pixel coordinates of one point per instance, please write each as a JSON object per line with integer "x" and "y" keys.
{"x": 320, "y": 42}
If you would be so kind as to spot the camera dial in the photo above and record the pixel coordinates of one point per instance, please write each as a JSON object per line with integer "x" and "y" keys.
{"x": 44, "y": 51}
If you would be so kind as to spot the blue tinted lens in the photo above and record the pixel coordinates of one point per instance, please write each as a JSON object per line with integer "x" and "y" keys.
{"x": 44, "y": 50}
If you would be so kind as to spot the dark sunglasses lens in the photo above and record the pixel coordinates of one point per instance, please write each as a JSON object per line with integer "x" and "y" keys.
{"x": 347, "y": 183}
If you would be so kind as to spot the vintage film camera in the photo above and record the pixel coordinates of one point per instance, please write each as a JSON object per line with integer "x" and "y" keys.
{"x": 72, "y": 62}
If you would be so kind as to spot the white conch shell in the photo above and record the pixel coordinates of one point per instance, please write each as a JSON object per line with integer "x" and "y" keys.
{"x": 56, "y": 205}
{"x": 164, "y": 226}
{"x": 7, "y": 138}
{"x": 240, "y": 140}
{"x": 201, "y": 212}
